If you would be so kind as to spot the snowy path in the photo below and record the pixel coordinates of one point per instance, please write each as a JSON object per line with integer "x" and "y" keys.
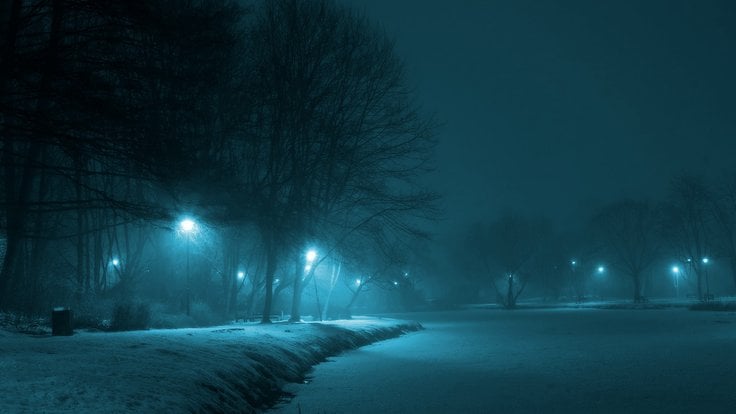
{"x": 536, "y": 361}
{"x": 226, "y": 369}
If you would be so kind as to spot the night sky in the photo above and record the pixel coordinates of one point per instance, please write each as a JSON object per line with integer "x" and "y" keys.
{"x": 554, "y": 107}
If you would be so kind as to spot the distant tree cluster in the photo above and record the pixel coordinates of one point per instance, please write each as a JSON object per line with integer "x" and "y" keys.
{"x": 680, "y": 237}
{"x": 281, "y": 126}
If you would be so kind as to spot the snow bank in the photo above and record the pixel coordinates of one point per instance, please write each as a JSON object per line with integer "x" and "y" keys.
{"x": 226, "y": 369}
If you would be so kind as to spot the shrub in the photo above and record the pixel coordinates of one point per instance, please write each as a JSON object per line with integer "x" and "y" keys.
{"x": 129, "y": 316}
{"x": 203, "y": 315}
{"x": 92, "y": 315}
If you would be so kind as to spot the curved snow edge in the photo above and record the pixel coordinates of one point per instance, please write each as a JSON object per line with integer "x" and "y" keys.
{"x": 238, "y": 390}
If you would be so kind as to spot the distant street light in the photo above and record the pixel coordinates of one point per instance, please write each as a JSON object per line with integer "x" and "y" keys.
{"x": 676, "y": 274}
{"x": 115, "y": 262}
{"x": 187, "y": 228}
{"x": 357, "y": 282}
{"x": 241, "y": 274}
{"x": 707, "y": 282}
{"x": 601, "y": 269}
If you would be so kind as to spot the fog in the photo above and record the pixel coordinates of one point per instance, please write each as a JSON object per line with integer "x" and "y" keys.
{"x": 167, "y": 165}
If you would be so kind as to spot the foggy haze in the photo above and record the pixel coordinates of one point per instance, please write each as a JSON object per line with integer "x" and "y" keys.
{"x": 556, "y": 107}
{"x": 200, "y": 201}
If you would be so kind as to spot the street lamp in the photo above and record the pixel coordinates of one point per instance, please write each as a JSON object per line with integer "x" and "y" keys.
{"x": 676, "y": 274}
{"x": 241, "y": 274}
{"x": 707, "y": 284}
{"x": 577, "y": 284}
{"x": 311, "y": 257}
{"x": 187, "y": 228}
{"x": 601, "y": 270}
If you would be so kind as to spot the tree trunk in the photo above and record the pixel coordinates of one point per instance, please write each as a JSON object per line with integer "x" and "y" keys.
{"x": 16, "y": 213}
{"x": 271, "y": 258}
{"x": 333, "y": 281}
{"x": 637, "y": 288}
{"x": 296, "y": 298}
{"x": 354, "y": 298}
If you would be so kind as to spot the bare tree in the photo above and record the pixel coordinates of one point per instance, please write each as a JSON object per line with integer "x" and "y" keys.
{"x": 506, "y": 248}
{"x": 724, "y": 209}
{"x": 627, "y": 232}
{"x": 689, "y": 226}
{"x": 338, "y": 133}
{"x": 76, "y": 129}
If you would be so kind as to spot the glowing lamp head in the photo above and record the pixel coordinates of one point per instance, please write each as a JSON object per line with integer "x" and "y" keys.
{"x": 573, "y": 262}
{"x": 241, "y": 274}
{"x": 705, "y": 260}
{"x": 311, "y": 255}
{"x": 187, "y": 225}
{"x": 601, "y": 269}
{"x": 115, "y": 262}
{"x": 675, "y": 269}
{"x": 357, "y": 282}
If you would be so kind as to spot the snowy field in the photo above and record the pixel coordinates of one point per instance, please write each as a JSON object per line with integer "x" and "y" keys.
{"x": 224, "y": 369}
{"x": 536, "y": 361}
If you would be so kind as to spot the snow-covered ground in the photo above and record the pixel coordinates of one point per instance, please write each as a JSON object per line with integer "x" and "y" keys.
{"x": 226, "y": 369}
{"x": 536, "y": 361}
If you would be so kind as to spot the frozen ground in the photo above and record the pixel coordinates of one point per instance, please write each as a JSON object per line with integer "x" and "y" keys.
{"x": 536, "y": 361}
{"x": 225, "y": 369}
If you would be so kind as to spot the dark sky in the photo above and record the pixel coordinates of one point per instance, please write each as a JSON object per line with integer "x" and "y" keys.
{"x": 555, "y": 106}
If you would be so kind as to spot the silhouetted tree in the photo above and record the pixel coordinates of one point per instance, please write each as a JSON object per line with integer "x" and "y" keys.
{"x": 689, "y": 226}
{"x": 83, "y": 145}
{"x": 337, "y": 132}
{"x": 627, "y": 232}
{"x": 724, "y": 209}
{"x": 506, "y": 248}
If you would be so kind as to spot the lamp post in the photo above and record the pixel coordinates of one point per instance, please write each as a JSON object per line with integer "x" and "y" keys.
{"x": 707, "y": 284}
{"x": 311, "y": 257}
{"x": 577, "y": 285}
{"x": 187, "y": 227}
{"x": 676, "y": 274}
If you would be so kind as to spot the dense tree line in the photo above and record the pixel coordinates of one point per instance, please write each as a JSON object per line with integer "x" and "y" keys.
{"x": 633, "y": 241}
{"x": 278, "y": 127}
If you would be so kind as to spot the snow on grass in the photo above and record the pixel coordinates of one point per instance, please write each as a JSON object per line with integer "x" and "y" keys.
{"x": 233, "y": 368}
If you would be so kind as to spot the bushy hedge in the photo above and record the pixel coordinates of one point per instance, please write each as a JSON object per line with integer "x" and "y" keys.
{"x": 130, "y": 316}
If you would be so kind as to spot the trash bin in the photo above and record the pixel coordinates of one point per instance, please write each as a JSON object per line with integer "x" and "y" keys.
{"x": 61, "y": 322}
